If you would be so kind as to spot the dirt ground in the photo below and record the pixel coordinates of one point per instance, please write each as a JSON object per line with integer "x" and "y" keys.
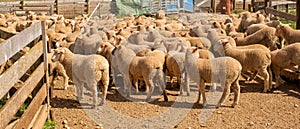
{"x": 278, "y": 109}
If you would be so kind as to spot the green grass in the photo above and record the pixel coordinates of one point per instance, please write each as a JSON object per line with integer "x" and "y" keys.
{"x": 50, "y": 124}
{"x": 292, "y": 23}
{"x": 23, "y": 108}
{"x": 237, "y": 11}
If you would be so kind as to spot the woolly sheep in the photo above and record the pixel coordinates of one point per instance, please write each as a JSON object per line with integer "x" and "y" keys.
{"x": 224, "y": 69}
{"x": 246, "y": 57}
{"x": 287, "y": 33}
{"x": 90, "y": 69}
{"x": 285, "y": 58}
{"x": 132, "y": 67}
{"x": 265, "y": 36}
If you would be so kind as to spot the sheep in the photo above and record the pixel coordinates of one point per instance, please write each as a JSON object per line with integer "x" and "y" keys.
{"x": 175, "y": 67}
{"x": 138, "y": 39}
{"x": 224, "y": 69}
{"x": 230, "y": 30}
{"x": 254, "y": 28}
{"x": 87, "y": 44}
{"x": 265, "y": 36}
{"x": 287, "y": 33}
{"x": 139, "y": 68}
{"x": 246, "y": 57}
{"x": 59, "y": 68}
{"x": 90, "y": 69}
{"x": 273, "y": 23}
{"x": 285, "y": 58}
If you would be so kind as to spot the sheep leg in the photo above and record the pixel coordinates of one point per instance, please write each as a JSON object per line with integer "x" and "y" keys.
{"x": 252, "y": 77}
{"x": 270, "y": 77}
{"x": 187, "y": 83}
{"x": 214, "y": 87}
{"x": 149, "y": 84}
{"x": 180, "y": 84}
{"x": 236, "y": 91}
{"x": 104, "y": 92}
{"x": 80, "y": 90}
{"x": 61, "y": 71}
{"x": 202, "y": 90}
{"x": 94, "y": 93}
{"x": 135, "y": 81}
{"x": 245, "y": 76}
{"x": 225, "y": 94}
{"x": 265, "y": 75}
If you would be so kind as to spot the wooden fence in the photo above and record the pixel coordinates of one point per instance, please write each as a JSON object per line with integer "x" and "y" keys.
{"x": 33, "y": 66}
{"x": 68, "y": 9}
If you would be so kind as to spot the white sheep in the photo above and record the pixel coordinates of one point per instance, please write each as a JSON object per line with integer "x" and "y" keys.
{"x": 90, "y": 69}
{"x": 285, "y": 58}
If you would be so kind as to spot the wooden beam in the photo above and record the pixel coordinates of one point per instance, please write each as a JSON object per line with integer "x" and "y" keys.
{"x": 19, "y": 68}
{"x": 8, "y": 111}
{"x": 281, "y": 14}
{"x": 298, "y": 13}
{"x": 40, "y": 118}
{"x": 14, "y": 44}
{"x": 244, "y": 4}
{"x": 32, "y": 109}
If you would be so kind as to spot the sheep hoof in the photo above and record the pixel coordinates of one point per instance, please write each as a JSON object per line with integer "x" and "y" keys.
{"x": 93, "y": 107}
{"x": 188, "y": 94}
{"x": 148, "y": 100}
{"x": 204, "y": 105}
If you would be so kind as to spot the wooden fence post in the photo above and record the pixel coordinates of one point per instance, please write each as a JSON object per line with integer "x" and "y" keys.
{"x": 298, "y": 13}
{"x": 244, "y": 4}
{"x": 45, "y": 53}
{"x": 57, "y": 6}
{"x": 22, "y": 4}
{"x": 287, "y": 8}
{"x": 88, "y": 6}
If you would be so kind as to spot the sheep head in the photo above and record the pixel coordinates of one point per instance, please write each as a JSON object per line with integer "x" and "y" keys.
{"x": 58, "y": 55}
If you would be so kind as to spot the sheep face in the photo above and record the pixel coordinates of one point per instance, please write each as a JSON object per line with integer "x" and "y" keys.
{"x": 280, "y": 30}
{"x": 58, "y": 55}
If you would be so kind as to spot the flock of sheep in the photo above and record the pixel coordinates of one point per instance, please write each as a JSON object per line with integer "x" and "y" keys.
{"x": 202, "y": 48}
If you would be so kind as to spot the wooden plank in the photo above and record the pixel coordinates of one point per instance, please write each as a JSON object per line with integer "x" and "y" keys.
{"x": 41, "y": 118}
{"x": 32, "y": 109}
{"x": 14, "y": 44}
{"x": 16, "y": 71}
{"x": 8, "y": 111}
{"x": 12, "y": 125}
{"x": 281, "y": 14}
{"x": 45, "y": 53}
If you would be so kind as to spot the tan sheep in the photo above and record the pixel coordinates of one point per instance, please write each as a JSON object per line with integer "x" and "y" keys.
{"x": 254, "y": 28}
{"x": 224, "y": 69}
{"x": 132, "y": 67}
{"x": 59, "y": 68}
{"x": 265, "y": 36}
{"x": 285, "y": 58}
{"x": 287, "y": 33}
{"x": 246, "y": 57}
{"x": 90, "y": 69}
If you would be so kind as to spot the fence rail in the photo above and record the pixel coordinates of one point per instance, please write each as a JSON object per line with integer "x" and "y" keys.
{"x": 33, "y": 65}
